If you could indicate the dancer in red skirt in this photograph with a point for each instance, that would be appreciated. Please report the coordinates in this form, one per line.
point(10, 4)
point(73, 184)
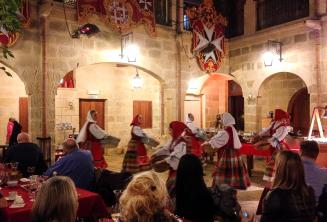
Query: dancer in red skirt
point(136, 159)
point(196, 143)
point(277, 131)
point(230, 168)
point(89, 138)
point(177, 147)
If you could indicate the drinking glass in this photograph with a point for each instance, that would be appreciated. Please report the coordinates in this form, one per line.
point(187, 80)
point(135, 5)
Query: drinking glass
point(14, 166)
point(30, 170)
point(32, 190)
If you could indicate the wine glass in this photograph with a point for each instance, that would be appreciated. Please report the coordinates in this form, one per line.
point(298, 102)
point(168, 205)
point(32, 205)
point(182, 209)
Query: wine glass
point(14, 166)
point(32, 190)
point(30, 170)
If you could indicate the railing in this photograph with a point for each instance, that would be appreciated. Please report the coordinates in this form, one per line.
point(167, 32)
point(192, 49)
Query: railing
point(275, 12)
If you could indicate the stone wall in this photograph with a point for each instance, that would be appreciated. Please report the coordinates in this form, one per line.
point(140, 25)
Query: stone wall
point(114, 85)
point(215, 90)
point(276, 92)
point(11, 88)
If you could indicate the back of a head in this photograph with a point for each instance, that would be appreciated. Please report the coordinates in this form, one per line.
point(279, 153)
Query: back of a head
point(69, 144)
point(56, 201)
point(23, 138)
point(144, 196)
point(309, 149)
point(189, 171)
point(191, 190)
point(289, 172)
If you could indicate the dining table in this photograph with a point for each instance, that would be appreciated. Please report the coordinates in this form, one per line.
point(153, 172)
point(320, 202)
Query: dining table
point(90, 205)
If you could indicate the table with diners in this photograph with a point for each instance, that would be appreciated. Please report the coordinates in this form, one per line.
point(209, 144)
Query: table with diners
point(90, 205)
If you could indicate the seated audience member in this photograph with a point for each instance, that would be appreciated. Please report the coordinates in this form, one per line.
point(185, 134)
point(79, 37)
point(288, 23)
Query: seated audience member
point(314, 175)
point(290, 198)
point(27, 154)
point(56, 201)
point(144, 199)
point(193, 199)
point(16, 129)
point(76, 164)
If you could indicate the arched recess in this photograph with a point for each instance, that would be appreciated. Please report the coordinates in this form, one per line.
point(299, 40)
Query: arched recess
point(13, 101)
point(210, 96)
point(277, 91)
point(299, 110)
point(110, 84)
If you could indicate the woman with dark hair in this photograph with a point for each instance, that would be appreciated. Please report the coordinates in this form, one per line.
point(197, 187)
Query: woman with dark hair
point(136, 158)
point(193, 199)
point(290, 198)
point(17, 129)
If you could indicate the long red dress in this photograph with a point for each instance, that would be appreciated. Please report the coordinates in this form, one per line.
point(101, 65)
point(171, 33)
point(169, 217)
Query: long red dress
point(93, 144)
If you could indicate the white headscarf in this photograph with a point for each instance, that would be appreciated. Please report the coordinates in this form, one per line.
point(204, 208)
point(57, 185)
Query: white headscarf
point(82, 133)
point(228, 120)
point(187, 119)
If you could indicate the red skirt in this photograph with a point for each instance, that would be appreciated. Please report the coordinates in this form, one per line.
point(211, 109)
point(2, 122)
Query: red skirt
point(196, 147)
point(97, 152)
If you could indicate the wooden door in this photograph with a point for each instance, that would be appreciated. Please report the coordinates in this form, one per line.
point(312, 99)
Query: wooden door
point(85, 105)
point(143, 108)
point(194, 106)
point(23, 113)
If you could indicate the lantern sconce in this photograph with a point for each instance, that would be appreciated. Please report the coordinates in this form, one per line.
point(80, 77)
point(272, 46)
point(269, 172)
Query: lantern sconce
point(273, 53)
point(128, 48)
point(137, 81)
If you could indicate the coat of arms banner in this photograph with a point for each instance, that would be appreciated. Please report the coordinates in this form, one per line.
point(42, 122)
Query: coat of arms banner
point(121, 15)
point(208, 35)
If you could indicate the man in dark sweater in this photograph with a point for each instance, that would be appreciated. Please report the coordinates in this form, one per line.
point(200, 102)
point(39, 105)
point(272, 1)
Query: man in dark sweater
point(28, 155)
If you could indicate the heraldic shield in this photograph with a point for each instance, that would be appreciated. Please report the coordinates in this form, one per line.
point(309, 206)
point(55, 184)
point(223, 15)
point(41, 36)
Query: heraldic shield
point(208, 35)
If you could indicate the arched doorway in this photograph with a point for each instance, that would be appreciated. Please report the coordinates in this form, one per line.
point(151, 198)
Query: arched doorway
point(107, 87)
point(276, 92)
point(299, 110)
point(236, 103)
point(13, 101)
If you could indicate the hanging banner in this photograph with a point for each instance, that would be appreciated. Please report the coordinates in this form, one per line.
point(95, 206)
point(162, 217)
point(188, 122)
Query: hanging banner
point(208, 35)
point(9, 39)
point(121, 15)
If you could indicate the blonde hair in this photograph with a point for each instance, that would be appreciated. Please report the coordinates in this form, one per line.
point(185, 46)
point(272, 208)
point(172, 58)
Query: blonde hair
point(56, 201)
point(144, 196)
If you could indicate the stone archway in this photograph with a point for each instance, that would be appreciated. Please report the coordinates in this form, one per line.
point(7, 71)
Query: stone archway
point(13, 101)
point(299, 110)
point(111, 82)
point(276, 91)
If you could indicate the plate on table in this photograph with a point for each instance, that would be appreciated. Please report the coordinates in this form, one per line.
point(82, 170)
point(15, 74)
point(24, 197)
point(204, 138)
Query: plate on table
point(14, 205)
point(10, 198)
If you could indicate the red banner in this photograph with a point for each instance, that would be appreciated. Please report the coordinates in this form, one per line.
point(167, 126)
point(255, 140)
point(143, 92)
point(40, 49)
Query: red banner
point(9, 39)
point(208, 35)
point(121, 15)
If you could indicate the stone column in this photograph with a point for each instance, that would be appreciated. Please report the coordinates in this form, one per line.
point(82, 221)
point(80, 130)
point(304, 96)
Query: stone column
point(250, 17)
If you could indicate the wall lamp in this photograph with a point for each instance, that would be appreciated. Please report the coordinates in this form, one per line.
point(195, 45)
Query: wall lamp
point(273, 53)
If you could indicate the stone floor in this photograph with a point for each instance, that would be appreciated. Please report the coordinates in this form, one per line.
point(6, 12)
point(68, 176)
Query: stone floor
point(248, 198)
